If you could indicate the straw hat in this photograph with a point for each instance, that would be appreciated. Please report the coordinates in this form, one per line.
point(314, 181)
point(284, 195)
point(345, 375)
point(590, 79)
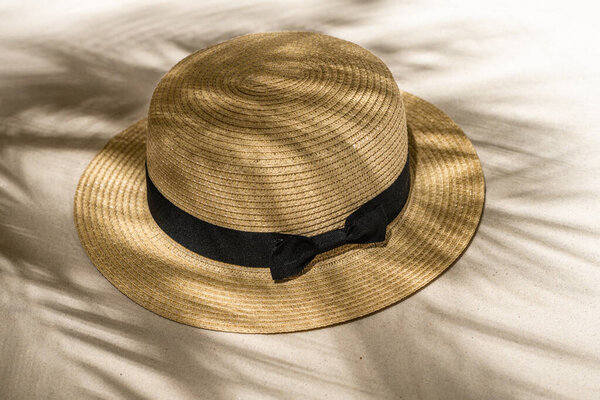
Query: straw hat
point(280, 182)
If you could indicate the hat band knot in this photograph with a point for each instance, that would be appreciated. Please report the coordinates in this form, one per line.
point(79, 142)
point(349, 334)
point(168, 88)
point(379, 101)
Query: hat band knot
point(293, 253)
point(286, 255)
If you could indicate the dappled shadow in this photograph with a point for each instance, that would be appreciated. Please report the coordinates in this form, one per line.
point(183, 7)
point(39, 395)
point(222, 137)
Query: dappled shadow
point(460, 337)
point(92, 81)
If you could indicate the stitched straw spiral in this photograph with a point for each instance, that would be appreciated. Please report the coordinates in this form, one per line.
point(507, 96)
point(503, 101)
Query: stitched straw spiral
point(282, 132)
point(286, 132)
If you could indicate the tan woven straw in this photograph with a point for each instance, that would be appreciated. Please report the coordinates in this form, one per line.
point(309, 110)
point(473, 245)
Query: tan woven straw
point(284, 132)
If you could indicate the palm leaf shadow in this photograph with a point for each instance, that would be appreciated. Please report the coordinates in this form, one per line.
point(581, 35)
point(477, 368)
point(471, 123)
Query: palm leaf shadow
point(96, 86)
point(100, 83)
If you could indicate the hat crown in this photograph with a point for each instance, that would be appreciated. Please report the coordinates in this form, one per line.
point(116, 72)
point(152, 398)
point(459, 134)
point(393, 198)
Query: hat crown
point(279, 132)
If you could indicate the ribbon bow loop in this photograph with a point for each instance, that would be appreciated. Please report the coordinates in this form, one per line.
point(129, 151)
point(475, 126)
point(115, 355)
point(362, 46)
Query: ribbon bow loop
point(292, 253)
point(366, 227)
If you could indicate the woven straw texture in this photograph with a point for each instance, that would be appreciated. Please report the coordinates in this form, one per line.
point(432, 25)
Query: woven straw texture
point(276, 132)
point(269, 159)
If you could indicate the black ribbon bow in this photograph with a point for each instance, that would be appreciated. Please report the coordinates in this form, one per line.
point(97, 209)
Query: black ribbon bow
point(292, 253)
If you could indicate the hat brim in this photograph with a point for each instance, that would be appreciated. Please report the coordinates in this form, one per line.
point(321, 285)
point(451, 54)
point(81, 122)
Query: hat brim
point(140, 260)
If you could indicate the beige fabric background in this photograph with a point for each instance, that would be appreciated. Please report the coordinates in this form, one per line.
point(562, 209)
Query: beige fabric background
point(516, 317)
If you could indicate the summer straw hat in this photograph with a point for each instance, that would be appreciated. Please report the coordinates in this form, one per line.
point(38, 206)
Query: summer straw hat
point(280, 182)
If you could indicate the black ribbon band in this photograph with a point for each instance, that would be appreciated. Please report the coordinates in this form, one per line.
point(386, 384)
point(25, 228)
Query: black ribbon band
point(286, 255)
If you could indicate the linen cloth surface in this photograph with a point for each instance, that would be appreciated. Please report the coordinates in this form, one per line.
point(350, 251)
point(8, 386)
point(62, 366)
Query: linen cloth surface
point(516, 317)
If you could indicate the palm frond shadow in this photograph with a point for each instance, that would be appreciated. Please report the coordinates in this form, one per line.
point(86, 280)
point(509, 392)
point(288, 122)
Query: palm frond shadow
point(96, 86)
point(101, 83)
